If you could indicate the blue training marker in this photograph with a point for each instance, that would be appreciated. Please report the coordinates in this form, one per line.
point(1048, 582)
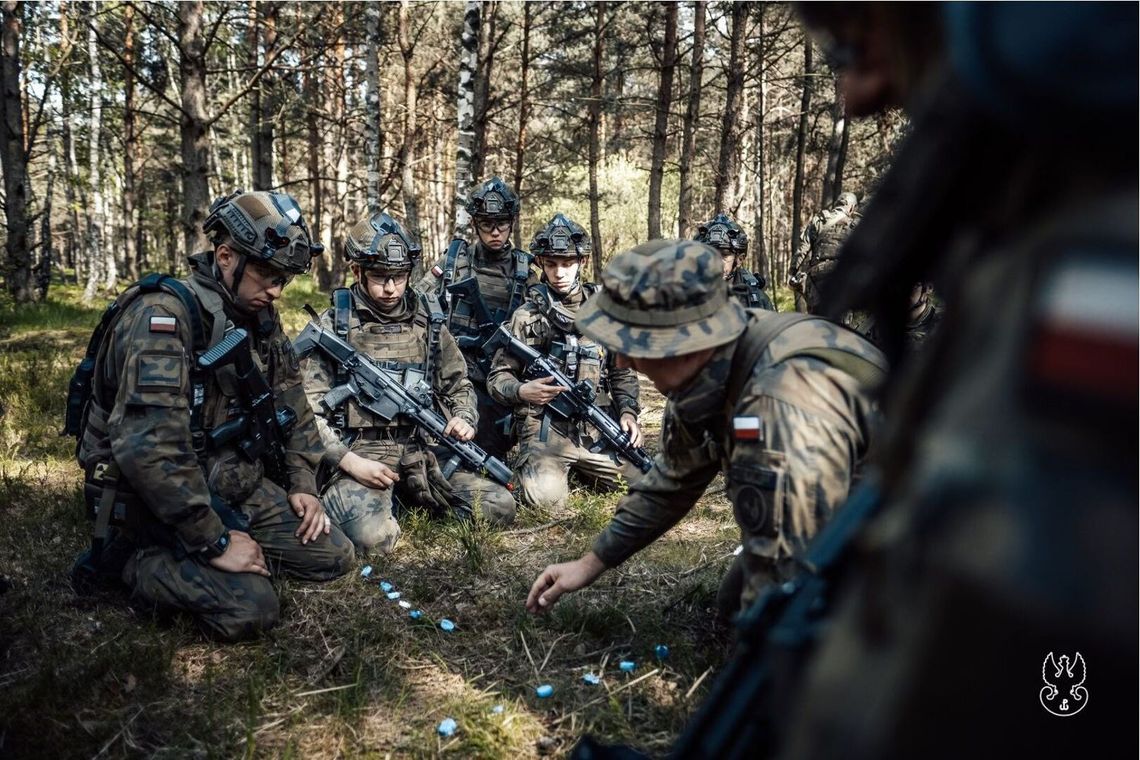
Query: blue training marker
point(385, 586)
point(447, 727)
point(447, 625)
point(366, 571)
point(627, 666)
point(393, 595)
point(661, 651)
point(415, 614)
point(591, 679)
point(544, 691)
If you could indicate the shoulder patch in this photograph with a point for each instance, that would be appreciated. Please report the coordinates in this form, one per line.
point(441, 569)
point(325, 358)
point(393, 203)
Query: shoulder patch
point(163, 324)
point(746, 429)
point(160, 370)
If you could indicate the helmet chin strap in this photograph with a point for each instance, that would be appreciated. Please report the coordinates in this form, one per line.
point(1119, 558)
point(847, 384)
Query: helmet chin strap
point(239, 272)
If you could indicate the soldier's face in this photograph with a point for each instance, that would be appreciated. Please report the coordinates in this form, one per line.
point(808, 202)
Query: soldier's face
point(561, 274)
point(494, 233)
point(260, 284)
point(729, 262)
point(670, 374)
point(386, 288)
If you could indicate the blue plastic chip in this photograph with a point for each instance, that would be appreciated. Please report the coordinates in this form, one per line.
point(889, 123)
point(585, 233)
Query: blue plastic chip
point(497, 710)
point(591, 679)
point(661, 651)
point(447, 625)
point(447, 727)
point(415, 614)
point(385, 586)
point(544, 691)
point(393, 595)
point(627, 666)
point(366, 571)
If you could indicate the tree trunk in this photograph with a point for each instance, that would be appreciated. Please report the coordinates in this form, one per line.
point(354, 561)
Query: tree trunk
point(464, 175)
point(524, 110)
point(725, 166)
point(595, 114)
point(835, 145)
point(14, 159)
point(334, 94)
point(192, 73)
point(692, 116)
point(841, 162)
point(262, 39)
point(98, 262)
point(372, 115)
point(484, 67)
point(661, 123)
point(130, 145)
point(316, 149)
point(71, 172)
point(759, 247)
point(407, 152)
point(46, 254)
point(801, 143)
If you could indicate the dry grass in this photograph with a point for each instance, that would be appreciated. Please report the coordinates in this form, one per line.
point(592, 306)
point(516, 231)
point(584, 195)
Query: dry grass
point(347, 673)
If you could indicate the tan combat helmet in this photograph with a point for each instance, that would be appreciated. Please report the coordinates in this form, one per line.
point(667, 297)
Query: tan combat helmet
point(662, 298)
point(267, 227)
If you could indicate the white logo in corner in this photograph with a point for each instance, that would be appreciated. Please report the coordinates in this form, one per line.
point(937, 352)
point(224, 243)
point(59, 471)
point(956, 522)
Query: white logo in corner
point(1063, 694)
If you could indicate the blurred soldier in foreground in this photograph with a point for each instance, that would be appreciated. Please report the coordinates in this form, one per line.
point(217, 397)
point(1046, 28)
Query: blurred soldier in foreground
point(819, 250)
point(730, 241)
point(778, 402)
point(551, 447)
point(1007, 537)
point(370, 457)
point(150, 438)
point(923, 317)
point(480, 286)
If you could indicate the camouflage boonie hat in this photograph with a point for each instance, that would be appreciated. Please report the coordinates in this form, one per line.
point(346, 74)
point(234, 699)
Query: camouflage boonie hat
point(660, 299)
point(380, 243)
point(265, 226)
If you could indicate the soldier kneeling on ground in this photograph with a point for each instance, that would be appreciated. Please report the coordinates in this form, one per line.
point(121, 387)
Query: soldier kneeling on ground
point(391, 324)
point(201, 526)
point(550, 446)
point(778, 402)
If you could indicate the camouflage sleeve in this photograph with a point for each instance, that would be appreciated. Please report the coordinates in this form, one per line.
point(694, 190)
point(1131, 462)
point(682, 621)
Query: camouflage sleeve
point(318, 378)
point(452, 382)
point(624, 388)
point(303, 450)
point(659, 499)
point(149, 423)
point(505, 377)
point(429, 283)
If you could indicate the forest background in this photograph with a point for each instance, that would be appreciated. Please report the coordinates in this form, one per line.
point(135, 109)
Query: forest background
point(122, 121)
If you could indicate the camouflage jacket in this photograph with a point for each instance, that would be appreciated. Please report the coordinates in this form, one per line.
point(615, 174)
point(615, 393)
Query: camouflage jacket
point(748, 289)
point(545, 323)
point(499, 285)
point(400, 339)
point(820, 242)
point(141, 417)
point(698, 438)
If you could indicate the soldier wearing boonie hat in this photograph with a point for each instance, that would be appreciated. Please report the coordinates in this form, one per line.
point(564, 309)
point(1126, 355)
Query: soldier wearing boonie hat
point(778, 402)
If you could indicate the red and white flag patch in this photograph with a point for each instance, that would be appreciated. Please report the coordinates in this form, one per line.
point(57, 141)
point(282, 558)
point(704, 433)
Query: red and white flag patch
point(746, 428)
point(163, 324)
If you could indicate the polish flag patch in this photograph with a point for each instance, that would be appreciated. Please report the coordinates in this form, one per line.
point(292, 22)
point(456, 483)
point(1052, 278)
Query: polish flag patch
point(746, 428)
point(163, 324)
point(437, 271)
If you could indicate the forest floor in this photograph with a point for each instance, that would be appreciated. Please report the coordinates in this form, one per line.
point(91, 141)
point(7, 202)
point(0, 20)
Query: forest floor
point(347, 673)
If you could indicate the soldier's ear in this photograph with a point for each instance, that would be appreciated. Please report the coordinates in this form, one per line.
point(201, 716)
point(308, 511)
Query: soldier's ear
point(225, 257)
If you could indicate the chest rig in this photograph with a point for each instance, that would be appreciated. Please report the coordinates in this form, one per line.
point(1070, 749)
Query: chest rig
point(407, 349)
point(501, 293)
point(746, 288)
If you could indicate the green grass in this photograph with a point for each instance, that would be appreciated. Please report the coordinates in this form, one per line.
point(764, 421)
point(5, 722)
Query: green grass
point(347, 672)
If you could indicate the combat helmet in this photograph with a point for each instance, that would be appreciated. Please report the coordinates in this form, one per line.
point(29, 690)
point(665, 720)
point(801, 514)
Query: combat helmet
point(381, 243)
point(494, 199)
point(267, 227)
point(662, 299)
point(561, 238)
point(723, 233)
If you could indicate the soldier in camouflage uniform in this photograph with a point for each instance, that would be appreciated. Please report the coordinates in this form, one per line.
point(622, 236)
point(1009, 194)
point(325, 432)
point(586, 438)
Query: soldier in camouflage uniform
point(138, 445)
point(819, 250)
point(551, 447)
point(922, 318)
point(777, 402)
point(383, 319)
point(503, 275)
point(729, 239)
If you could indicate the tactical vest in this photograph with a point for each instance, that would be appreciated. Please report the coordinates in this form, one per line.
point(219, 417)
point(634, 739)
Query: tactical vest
point(501, 294)
point(747, 289)
point(408, 349)
point(831, 228)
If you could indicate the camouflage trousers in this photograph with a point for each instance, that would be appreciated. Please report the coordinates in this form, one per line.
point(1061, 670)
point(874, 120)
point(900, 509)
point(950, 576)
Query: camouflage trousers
point(544, 469)
point(366, 516)
point(234, 606)
point(801, 474)
point(490, 433)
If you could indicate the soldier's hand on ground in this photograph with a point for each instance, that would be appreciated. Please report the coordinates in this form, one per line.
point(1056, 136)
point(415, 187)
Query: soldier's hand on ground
point(460, 429)
point(540, 391)
point(557, 580)
point(632, 428)
point(243, 555)
point(314, 521)
point(370, 473)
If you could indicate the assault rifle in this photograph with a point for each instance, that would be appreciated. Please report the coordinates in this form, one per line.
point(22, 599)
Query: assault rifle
point(577, 403)
point(262, 431)
point(386, 397)
point(488, 340)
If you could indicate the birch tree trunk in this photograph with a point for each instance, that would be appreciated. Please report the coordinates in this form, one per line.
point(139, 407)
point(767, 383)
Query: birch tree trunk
point(801, 143)
point(333, 94)
point(595, 114)
point(97, 261)
point(661, 123)
point(407, 152)
point(759, 239)
point(372, 113)
point(464, 175)
point(831, 175)
point(524, 110)
point(483, 96)
point(692, 117)
point(192, 73)
point(130, 146)
point(316, 146)
point(725, 171)
point(14, 159)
